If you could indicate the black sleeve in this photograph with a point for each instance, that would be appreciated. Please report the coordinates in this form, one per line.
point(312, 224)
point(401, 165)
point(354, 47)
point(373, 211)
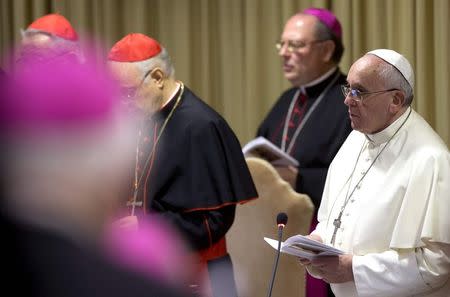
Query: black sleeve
point(202, 228)
point(312, 181)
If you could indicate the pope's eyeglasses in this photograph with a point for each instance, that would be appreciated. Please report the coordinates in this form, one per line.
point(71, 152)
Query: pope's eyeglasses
point(358, 95)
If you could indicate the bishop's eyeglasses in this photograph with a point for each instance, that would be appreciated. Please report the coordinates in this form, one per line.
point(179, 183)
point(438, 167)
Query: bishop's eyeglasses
point(358, 95)
point(294, 45)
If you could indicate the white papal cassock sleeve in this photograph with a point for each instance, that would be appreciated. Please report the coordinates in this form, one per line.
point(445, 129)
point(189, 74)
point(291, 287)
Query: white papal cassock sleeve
point(403, 272)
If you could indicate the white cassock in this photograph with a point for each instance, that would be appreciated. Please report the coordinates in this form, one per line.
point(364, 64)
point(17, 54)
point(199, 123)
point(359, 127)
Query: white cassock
point(396, 222)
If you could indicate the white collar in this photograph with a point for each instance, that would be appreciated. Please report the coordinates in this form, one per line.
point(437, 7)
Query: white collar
point(319, 79)
point(172, 95)
point(384, 135)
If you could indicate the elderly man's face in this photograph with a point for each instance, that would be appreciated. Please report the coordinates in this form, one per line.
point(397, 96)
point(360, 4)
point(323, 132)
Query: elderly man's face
point(373, 113)
point(137, 88)
point(304, 61)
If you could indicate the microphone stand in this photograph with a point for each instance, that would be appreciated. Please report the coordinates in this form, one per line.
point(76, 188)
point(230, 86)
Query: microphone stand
point(274, 271)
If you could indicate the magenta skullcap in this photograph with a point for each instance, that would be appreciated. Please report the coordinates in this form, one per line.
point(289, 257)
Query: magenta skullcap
point(327, 18)
point(58, 96)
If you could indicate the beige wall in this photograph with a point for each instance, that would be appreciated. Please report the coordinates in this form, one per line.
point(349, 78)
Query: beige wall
point(224, 49)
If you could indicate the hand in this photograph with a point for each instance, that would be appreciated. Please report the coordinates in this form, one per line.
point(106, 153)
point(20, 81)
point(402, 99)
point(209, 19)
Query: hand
point(315, 237)
point(128, 223)
point(334, 269)
point(304, 261)
point(288, 173)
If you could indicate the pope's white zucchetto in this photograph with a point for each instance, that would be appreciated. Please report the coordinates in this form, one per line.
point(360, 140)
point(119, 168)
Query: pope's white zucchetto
point(398, 61)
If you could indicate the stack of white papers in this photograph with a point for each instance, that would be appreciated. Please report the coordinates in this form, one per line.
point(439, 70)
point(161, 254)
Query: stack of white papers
point(304, 247)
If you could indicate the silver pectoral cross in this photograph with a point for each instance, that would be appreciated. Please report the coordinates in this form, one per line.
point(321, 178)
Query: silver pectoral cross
point(337, 224)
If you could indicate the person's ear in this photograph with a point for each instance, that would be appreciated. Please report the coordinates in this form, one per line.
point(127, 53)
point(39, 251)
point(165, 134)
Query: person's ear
point(398, 100)
point(157, 75)
point(328, 48)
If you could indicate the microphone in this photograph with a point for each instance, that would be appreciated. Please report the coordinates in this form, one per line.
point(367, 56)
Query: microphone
point(281, 222)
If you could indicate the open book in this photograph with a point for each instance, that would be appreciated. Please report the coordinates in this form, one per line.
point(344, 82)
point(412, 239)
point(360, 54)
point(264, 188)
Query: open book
point(304, 247)
point(263, 148)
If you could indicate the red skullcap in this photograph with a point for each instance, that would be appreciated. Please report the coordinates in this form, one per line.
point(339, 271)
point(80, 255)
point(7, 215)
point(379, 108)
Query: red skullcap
point(55, 24)
point(134, 47)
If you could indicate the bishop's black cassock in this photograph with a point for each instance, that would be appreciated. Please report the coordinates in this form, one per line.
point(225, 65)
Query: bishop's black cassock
point(321, 136)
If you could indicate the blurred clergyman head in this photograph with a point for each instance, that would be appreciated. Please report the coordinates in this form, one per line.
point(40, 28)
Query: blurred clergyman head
point(51, 36)
point(65, 145)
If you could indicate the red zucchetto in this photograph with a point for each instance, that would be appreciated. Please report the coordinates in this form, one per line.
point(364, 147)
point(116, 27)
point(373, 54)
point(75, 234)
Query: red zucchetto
point(134, 47)
point(55, 24)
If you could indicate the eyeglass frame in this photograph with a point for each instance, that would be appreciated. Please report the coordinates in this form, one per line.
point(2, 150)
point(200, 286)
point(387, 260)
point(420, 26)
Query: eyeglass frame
point(130, 93)
point(292, 47)
point(357, 95)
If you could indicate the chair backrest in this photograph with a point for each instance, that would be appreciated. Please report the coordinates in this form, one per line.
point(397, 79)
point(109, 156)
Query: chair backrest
point(252, 257)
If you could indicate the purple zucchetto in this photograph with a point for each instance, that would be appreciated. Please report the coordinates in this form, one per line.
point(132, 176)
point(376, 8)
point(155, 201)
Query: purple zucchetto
point(58, 95)
point(327, 18)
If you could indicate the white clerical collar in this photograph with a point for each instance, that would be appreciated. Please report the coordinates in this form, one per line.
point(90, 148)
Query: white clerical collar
point(318, 80)
point(384, 135)
point(172, 95)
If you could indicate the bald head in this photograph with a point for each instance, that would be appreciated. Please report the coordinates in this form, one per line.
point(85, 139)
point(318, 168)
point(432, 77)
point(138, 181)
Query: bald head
point(301, 19)
point(301, 26)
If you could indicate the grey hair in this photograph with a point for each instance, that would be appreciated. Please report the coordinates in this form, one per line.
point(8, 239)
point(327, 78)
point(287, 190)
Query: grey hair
point(162, 60)
point(324, 33)
point(395, 80)
point(59, 45)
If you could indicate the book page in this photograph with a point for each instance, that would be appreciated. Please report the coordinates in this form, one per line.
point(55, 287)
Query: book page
point(303, 250)
point(310, 244)
point(263, 148)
